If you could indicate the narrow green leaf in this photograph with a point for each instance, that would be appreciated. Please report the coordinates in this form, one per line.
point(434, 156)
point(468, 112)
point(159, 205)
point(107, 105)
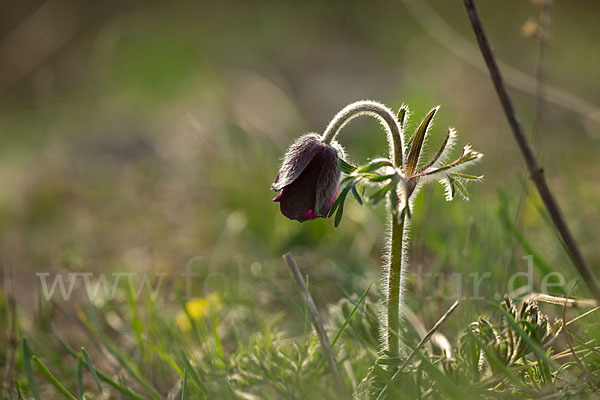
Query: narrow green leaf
point(192, 372)
point(539, 261)
point(356, 195)
point(163, 356)
point(380, 178)
point(380, 193)
point(79, 378)
point(68, 348)
point(122, 389)
point(338, 214)
point(467, 176)
point(417, 143)
point(452, 188)
point(401, 117)
point(52, 379)
point(347, 321)
point(346, 180)
point(345, 167)
point(122, 358)
point(340, 199)
point(459, 185)
point(437, 156)
point(468, 155)
point(28, 370)
point(349, 318)
point(184, 384)
point(216, 336)
point(18, 389)
point(375, 165)
point(92, 369)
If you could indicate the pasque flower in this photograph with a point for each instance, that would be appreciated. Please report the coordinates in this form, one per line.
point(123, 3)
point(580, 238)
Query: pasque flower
point(309, 178)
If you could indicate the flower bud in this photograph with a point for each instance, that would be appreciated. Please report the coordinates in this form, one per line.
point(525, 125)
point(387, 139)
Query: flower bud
point(308, 178)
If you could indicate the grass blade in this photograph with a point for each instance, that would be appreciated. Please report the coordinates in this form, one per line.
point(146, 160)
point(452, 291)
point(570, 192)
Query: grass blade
point(52, 379)
point(195, 377)
point(18, 390)
point(184, 384)
point(122, 389)
point(122, 358)
point(92, 369)
point(216, 336)
point(79, 378)
point(28, 370)
point(539, 261)
point(347, 321)
point(163, 356)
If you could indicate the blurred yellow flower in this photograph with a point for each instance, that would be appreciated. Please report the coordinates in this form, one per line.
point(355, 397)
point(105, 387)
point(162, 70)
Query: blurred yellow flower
point(197, 308)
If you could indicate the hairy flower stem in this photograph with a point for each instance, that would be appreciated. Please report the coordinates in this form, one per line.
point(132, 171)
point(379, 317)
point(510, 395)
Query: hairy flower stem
point(377, 110)
point(394, 296)
point(396, 247)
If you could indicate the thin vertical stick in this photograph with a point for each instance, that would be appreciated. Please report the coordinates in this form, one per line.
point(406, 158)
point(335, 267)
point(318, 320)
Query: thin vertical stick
point(535, 170)
point(316, 319)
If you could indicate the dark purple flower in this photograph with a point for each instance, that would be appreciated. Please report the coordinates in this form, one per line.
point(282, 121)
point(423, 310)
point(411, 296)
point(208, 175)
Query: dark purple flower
point(308, 179)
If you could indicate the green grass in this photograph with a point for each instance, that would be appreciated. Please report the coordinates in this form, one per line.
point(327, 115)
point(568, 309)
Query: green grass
point(167, 172)
point(254, 342)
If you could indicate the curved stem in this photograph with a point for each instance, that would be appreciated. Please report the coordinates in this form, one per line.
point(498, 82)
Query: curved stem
point(374, 109)
point(396, 248)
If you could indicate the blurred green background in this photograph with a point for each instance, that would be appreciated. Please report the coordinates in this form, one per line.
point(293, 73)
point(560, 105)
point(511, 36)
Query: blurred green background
point(144, 136)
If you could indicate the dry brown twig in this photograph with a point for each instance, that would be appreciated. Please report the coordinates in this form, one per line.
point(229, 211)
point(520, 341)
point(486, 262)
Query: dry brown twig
point(536, 172)
point(561, 301)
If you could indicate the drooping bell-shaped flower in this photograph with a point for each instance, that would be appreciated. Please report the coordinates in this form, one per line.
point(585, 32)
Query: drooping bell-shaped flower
point(308, 179)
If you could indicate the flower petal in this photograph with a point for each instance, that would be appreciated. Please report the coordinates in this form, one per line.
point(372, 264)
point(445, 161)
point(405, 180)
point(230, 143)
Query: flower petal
point(327, 182)
point(297, 199)
point(297, 158)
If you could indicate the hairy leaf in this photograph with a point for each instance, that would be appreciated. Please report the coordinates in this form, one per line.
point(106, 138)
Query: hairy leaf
point(416, 145)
